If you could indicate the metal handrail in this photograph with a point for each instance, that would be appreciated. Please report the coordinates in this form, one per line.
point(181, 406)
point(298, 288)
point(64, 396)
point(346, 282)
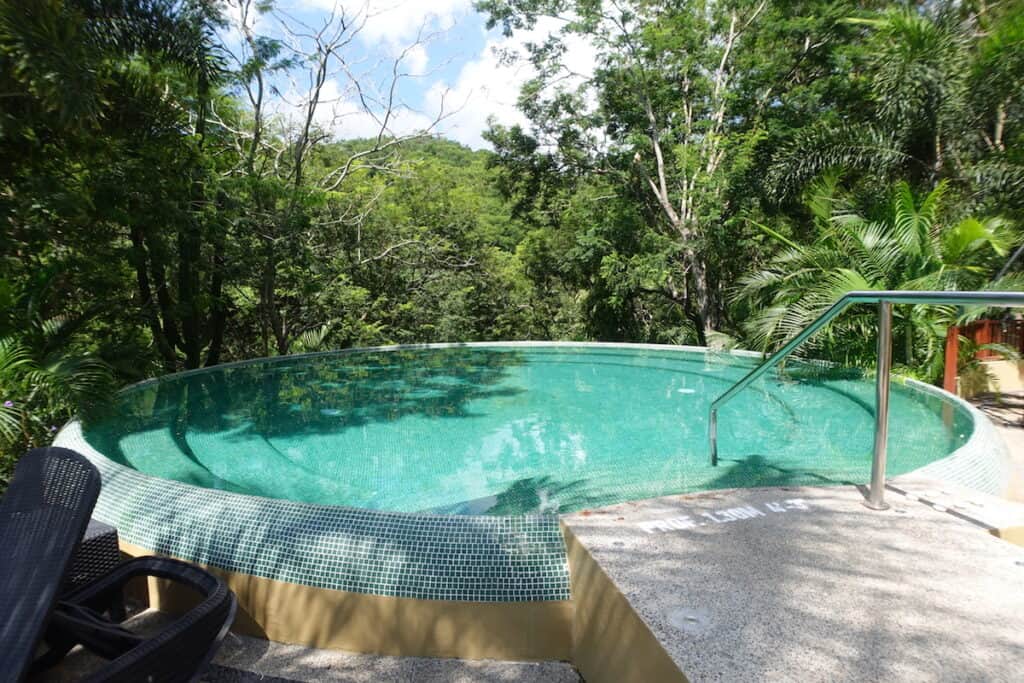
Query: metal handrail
point(884, 299)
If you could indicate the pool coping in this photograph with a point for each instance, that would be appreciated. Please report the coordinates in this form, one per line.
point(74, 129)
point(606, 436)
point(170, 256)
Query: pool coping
point(414, 555)
point(799, 583)
point(982, 464)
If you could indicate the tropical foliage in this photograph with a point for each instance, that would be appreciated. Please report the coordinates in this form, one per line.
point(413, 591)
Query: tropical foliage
point(726, 170)
point(907, 248)
point(46, 372)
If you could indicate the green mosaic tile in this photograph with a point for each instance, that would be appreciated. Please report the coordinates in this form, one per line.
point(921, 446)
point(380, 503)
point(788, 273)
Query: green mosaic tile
point(425, 556)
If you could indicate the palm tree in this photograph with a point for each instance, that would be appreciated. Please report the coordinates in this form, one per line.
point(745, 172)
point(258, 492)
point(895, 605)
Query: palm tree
point(909, 248)
point(941, 103)
point(61, 60)
point(46, 374)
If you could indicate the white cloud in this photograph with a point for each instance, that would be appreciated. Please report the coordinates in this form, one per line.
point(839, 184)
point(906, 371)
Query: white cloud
point(348, 120)
point(415, 60)
point(397, 21)
point(487, 87)
point(484, 86)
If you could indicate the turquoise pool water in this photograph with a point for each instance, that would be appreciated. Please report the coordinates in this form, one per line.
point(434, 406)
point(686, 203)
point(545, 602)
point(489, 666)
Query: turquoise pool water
point(510, 429)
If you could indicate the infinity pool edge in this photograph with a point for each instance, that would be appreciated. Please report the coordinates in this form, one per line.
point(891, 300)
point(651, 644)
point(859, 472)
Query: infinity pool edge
point(297, 563)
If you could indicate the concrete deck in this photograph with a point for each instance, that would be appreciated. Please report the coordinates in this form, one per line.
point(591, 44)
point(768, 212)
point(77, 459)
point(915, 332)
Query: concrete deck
point(250, 660)
point(245, 660)
point(807, 584)
point(1006, 411)
point(783, 584)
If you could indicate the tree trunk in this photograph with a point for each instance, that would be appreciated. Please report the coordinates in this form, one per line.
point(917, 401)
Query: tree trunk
point(190, 245)
point(268, 288)
point(703, 293)
point(188, 295)
point(705, 313)
point(163, 292)
point(218, 307)
point(140, 261)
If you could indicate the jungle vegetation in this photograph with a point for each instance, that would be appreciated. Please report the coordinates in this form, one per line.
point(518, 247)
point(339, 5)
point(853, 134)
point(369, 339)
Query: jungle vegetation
point(728, 169)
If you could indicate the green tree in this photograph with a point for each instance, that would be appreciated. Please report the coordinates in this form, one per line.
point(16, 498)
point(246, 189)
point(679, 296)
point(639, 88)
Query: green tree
point(679, 118)
point(913, 246)
point(101, 139)
point(939, 99)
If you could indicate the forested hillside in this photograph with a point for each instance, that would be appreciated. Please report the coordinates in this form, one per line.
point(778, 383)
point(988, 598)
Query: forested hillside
point(725, 172)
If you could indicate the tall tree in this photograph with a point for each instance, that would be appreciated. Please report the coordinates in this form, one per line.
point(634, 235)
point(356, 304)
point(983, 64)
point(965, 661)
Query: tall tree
point(278, 138)
point(681, 98)
point(105, 98)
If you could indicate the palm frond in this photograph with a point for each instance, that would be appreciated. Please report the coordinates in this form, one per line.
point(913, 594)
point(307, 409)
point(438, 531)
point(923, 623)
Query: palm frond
point(10, 422)
point(313, 339)
point(84, 379)
point(825, 147)
point(14, 358)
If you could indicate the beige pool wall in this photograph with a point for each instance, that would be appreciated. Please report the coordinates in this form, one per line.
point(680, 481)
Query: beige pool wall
point(597, 630)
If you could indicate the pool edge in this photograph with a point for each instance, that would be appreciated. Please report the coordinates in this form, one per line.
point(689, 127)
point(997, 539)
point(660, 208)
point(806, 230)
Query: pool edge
point(982, 463)
point(359, 622)
point(414, 624)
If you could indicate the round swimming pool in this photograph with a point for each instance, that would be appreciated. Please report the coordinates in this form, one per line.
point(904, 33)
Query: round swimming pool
point(406, 500)
point(511, 429)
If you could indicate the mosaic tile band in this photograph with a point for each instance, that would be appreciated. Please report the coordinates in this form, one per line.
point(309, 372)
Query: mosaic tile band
point(431, 557)
point(982, 464)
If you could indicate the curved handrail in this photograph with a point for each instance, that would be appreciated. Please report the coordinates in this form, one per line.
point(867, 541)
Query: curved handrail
point(1006, 299)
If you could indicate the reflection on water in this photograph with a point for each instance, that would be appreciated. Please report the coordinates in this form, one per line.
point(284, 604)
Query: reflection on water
point(504, 430)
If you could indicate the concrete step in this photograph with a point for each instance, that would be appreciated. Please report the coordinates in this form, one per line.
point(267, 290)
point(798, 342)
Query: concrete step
point(794, 584)
point(1002, 517)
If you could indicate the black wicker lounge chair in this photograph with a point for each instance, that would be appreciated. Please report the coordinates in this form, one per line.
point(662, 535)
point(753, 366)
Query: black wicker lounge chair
point(43, 514)
point(42, 517)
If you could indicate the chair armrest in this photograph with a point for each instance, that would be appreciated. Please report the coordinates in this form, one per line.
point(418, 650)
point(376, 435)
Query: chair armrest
point(177, 653)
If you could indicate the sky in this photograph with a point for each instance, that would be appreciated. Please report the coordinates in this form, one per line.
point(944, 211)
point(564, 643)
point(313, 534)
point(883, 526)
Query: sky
point(447, 57)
